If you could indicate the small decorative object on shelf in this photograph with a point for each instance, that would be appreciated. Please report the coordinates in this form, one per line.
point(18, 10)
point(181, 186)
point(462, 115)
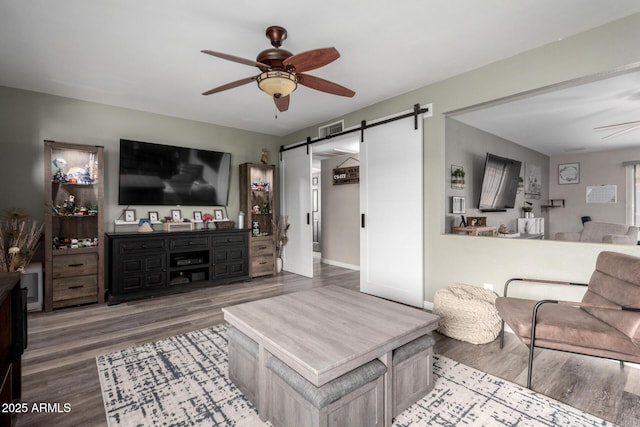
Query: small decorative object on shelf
point(527, 210)
point(19, 239)
point(206, 219)
point(144, 226)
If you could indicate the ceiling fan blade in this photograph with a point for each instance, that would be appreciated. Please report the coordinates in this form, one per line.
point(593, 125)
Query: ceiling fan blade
point(230, 85)
point(323, 85)
point(312, 59)
point(282, 102)
point(236, 59)
point(623, 131)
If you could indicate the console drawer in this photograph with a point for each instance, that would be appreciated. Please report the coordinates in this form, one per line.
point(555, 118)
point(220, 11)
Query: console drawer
point(142, 245)
point(190, 243)
point(75, 265)
point(225, 239)
point(75, 287)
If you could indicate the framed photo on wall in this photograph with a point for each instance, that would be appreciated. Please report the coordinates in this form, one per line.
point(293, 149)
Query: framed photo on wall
point(218, 214)
point(176, 215)
point(130, 215)
point(153, 216)
point(197, 215)
point(457, 205)
point(569, 173)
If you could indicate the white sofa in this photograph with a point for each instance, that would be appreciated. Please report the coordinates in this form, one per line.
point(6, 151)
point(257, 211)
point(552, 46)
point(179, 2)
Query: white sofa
point(602, 232)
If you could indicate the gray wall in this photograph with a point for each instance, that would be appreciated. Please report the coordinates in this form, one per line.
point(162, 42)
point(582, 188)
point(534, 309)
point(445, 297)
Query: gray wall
point(450, 258)
point(340, 216)
point(27, 118)
point(467, 146)
point(601, 168)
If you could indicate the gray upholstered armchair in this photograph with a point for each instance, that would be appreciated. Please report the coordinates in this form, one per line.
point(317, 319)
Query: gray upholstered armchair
point(602, 232)
point(605, 324)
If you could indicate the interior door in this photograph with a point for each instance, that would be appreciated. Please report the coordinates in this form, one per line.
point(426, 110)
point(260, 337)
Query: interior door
point(295, 171)
point(391, 234)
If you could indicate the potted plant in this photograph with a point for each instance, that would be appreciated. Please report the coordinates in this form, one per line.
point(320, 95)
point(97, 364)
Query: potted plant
point(527, 209)
point(457, 177)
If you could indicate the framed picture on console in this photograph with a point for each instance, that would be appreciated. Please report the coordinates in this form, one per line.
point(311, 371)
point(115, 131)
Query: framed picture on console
point(176, 215)
point(153, 216)
point(197, 215)
point(218, 214)
point(130, 215)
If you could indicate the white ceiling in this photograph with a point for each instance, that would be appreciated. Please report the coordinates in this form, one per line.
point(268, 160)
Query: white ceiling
point(563, 121)
point(145, 54)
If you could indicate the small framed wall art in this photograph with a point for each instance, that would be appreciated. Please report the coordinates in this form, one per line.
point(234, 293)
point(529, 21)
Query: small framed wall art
point(457, 205)
point(569, 173)
point(197, 215)
point(176, 215)
point(218, 214)
point(153, 216)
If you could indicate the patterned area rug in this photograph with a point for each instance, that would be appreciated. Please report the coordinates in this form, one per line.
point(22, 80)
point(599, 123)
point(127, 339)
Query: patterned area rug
point(182, 381)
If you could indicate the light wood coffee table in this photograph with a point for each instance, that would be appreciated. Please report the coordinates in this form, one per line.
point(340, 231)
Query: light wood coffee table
point(326, 332)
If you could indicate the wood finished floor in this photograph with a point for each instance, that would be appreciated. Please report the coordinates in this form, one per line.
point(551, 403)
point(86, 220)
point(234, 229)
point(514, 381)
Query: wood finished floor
point(59, 364)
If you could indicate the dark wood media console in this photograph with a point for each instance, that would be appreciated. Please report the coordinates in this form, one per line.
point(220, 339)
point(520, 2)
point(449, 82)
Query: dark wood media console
point(142, 265)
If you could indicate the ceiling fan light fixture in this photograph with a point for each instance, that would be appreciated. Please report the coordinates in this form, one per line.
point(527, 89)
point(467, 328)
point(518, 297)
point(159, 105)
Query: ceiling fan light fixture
point(278, 83)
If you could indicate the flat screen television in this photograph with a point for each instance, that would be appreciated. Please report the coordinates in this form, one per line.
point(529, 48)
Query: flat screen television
point(156, 174)
point(499, 184)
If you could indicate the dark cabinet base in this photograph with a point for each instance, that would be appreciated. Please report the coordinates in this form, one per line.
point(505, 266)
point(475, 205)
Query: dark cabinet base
point(160, 263)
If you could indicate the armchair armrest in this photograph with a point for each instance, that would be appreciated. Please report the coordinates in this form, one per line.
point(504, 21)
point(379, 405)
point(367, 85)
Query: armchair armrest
point(547, 282)
point(620, 239)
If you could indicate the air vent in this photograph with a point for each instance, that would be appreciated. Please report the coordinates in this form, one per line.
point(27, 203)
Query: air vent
point(331, 129)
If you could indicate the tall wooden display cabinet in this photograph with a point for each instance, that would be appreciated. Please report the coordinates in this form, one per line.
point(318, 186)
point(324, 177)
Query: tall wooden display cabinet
point(74, 237)
point(257, 201)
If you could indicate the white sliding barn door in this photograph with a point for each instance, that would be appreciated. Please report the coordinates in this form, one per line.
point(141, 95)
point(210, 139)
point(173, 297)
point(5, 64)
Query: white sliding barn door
point(391, 234)
point(295, 172)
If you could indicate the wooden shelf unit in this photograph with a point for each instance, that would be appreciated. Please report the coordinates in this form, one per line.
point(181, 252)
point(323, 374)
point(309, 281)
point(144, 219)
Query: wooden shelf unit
point(74, 273)
point(257, 201)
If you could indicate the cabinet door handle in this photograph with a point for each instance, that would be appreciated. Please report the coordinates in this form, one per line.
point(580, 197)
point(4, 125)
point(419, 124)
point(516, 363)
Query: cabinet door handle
point(75, 265)
point(76, 287)
point(263, 263)
point(262, 247)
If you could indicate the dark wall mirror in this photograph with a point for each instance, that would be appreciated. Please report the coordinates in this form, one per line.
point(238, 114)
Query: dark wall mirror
point(577, 143)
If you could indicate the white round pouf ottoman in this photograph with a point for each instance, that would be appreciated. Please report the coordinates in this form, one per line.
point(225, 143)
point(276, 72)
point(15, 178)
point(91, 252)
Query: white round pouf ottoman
point(467, 313)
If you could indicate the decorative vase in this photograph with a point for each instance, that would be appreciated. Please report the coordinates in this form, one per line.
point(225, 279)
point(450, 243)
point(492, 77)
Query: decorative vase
point(205, 225)
point(278, 265)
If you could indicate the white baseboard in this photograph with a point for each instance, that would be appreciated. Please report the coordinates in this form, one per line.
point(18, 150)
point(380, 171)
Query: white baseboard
point(428, 305)
point(340, 264)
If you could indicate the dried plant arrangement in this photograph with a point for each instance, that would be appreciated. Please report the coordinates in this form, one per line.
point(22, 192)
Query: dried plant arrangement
point(280, 228)
point(19, 239)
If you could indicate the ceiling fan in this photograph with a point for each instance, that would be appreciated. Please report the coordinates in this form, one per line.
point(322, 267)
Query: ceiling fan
point(281, 71)
point(622, 128)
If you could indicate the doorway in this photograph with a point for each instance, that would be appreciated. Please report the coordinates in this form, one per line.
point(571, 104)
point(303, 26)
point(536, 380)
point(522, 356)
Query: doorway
point(335, 208)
